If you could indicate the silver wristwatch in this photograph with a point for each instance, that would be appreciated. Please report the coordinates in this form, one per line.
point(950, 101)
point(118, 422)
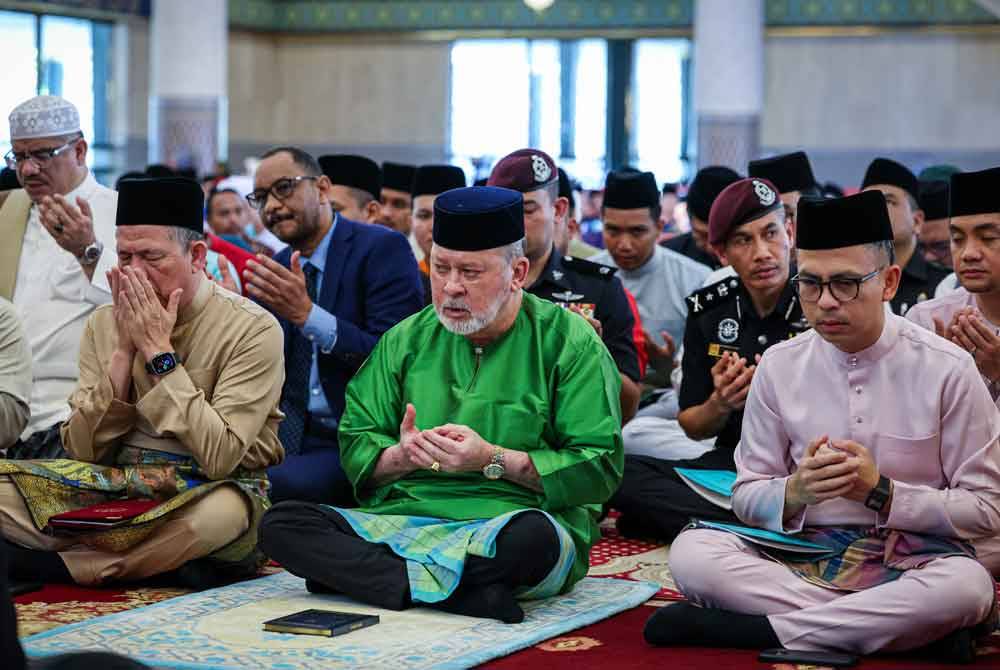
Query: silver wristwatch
point(495, 469)
point(92, 253)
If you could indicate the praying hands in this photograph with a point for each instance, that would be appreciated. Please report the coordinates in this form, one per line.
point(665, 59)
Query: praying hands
point(282, 289)
point(970, 331)
point(732, 376)
point(831, 469)
point(448, 448)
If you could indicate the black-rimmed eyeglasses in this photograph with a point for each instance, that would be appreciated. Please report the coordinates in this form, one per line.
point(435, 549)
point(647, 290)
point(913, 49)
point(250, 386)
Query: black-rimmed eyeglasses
point(40, 157)
point(282, 189)
point(843, 289)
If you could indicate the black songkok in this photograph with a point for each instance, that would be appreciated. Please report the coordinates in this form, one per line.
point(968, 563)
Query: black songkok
point(934, 199)
point(354, 171)
point(834, 223)
point(397, 176)
point(975, 193)
point(706, 186)
point(436, 179)
point(478, 217)
point(167, 201)
point(631, 189)
point(567, 185)
point(788, 172)
point(891, 173)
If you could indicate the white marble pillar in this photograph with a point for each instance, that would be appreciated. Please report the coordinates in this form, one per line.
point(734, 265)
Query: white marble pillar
point(728, 80)
point(188, 114)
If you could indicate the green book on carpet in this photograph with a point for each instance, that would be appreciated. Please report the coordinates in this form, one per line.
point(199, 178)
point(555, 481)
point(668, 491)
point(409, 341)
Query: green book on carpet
point(715, 486)
point(767, 538)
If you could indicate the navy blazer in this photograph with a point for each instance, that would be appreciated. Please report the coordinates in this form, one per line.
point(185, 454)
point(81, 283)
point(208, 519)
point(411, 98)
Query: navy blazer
point(371, 283)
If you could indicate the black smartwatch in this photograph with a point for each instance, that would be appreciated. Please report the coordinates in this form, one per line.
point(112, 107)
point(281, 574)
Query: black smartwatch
point(162, 364)
point(879, 495)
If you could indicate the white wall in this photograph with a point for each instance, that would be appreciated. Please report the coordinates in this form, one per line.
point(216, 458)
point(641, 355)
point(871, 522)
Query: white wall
point(387, 99)
point(922, 98)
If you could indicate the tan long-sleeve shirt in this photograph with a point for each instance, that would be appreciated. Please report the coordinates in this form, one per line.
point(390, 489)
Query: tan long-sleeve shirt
point(15, 376)
point(220, 405)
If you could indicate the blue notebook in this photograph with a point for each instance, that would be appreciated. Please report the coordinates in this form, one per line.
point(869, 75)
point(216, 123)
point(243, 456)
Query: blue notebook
point(768, 538)
point(715, 486)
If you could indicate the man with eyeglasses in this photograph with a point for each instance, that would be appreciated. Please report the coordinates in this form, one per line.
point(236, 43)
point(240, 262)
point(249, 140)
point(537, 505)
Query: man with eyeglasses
point(335, 290)
point(902, 192)
point(729, 325)
point(58, 233)
point(870, 436)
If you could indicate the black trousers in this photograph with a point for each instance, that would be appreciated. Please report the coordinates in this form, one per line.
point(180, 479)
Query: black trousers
point(316, 543)
point(655, 503)
point(45, 443)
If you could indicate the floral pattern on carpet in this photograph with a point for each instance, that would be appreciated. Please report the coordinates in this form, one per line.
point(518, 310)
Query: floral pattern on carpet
point(637, 560)
point(39, 616)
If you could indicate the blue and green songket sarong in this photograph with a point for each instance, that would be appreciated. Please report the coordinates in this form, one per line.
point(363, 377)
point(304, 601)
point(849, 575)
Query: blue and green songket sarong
point(436, 550)
point(547, 387)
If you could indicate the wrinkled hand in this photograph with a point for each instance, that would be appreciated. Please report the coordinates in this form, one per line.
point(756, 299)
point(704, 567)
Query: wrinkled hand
point(824, 474)
point(660, 353)
point(969, 331)
point(594, 323)
point(408, 433)
point(71, 226)
point(731, 377)
point(149, 323)
point(124, 339)
point(455, 447)
point(227, 280)
point(283, 289)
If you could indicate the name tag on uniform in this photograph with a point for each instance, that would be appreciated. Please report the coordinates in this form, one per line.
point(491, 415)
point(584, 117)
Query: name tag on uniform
point(715, 350)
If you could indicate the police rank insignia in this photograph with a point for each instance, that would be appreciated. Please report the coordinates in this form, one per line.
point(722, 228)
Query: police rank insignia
point(764, 193)
point(567, 296)
point(729, 330)
point(540, 168)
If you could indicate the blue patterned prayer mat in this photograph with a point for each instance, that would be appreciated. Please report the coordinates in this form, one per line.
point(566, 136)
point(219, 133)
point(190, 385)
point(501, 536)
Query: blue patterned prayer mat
point(222, 628)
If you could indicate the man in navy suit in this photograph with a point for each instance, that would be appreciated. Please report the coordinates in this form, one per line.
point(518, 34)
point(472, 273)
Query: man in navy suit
point(337, 287)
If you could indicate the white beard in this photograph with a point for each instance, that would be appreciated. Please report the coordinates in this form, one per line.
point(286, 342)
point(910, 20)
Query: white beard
point(476, 322)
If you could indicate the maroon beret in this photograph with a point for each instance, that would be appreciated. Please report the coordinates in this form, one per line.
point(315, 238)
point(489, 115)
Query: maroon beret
point(525, 170)
point(740, 202)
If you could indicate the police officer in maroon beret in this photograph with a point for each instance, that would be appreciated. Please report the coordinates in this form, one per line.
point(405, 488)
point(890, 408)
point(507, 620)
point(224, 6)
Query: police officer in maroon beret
point(587, 288)
point(729, 325)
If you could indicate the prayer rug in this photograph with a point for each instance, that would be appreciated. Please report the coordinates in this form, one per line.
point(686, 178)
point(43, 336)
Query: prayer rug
point(222, 628)
point(57, 605)
point(624, 558)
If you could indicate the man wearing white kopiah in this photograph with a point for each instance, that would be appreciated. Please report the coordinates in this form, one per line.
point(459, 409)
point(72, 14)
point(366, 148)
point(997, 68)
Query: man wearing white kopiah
point(58, 244)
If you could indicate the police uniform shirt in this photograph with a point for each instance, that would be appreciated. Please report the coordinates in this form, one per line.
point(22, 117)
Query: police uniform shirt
point(595, 289)
point(721, 318)
point(918, 282)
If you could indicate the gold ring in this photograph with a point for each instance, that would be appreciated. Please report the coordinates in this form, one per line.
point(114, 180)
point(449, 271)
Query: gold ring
point(435, 466)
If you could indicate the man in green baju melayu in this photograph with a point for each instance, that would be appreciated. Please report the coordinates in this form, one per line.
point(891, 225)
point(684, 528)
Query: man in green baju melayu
point(481, 437)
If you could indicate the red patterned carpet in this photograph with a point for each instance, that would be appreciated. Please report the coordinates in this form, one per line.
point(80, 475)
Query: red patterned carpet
point(614, 643)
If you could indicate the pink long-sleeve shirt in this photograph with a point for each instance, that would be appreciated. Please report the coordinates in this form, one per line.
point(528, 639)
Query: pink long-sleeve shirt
point(943, 309)
point(913, 399)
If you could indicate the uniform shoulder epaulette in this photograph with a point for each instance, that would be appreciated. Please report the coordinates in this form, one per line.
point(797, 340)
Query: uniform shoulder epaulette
point(585, 267)
point(713, 295)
